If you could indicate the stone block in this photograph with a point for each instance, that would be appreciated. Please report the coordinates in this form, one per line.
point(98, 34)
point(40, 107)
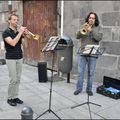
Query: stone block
point(102, 6)
point(107, 61)
point(116, 5)
point(3, 26)
point(3, 6)
point(111, 47)
point(111, 19)
point(68, 16)
point(76, 12)
point(107, 34)
point(101, 72)
point(116, 33)
point(107, 65)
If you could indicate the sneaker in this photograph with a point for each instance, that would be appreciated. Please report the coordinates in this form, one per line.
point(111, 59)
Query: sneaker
point(17, 100)
point(77, 92)
point(90, 93)
point(11, 102)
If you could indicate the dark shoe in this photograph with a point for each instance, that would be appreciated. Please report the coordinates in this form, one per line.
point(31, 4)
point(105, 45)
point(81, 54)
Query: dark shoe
point(11, 102)
point(90, 93)
point(17, 100)
point(77, 92)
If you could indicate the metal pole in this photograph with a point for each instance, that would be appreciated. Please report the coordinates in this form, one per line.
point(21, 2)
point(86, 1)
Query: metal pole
point(62, 16)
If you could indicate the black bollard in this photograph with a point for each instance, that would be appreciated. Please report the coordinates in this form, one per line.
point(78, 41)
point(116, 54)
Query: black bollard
point(27, 113)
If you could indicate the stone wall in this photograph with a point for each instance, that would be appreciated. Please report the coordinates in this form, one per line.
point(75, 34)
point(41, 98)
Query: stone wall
point(109, 14)
point(74, 14)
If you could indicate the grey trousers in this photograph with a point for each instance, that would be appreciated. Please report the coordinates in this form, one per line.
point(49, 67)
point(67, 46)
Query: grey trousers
point(15, 70)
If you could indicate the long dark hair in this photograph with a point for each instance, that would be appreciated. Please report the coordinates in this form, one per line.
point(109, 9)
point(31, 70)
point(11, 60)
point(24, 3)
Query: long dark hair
point(96, 18)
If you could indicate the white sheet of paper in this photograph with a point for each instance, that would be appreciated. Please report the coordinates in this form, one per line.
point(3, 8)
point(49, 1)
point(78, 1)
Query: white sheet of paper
point(89, 47)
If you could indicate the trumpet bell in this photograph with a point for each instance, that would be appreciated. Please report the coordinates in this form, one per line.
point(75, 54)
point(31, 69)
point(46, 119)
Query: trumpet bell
point(35, 37)
point(83, 30)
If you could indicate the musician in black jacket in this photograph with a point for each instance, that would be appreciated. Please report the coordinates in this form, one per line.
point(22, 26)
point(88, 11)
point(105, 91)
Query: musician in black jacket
point(13, 39)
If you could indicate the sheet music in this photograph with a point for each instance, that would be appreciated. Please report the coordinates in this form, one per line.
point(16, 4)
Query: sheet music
point(51, 44)
point(88, 48)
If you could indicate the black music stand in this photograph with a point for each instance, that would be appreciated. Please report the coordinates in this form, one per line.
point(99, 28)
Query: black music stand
point(51, 46)
point(90, 50)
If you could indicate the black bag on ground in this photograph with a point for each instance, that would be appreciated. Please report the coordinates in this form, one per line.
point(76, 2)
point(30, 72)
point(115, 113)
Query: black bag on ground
point(42, 71)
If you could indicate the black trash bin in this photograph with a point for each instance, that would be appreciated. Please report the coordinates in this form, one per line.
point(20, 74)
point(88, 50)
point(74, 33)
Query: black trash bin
point(65, 54)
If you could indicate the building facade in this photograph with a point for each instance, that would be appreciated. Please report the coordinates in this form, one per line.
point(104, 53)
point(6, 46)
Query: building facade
point(45, 21)
point(109, 14)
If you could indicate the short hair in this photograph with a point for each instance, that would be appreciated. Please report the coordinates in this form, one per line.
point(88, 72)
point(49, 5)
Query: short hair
point(96, 18)
point(10, 16)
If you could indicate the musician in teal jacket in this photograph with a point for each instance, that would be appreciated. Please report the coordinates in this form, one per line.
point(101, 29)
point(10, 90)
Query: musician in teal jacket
point(89, 34)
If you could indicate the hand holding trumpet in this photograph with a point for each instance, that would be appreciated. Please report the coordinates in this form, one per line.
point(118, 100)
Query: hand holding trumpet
point(85, 29)
point(89, 29)
point(22, 30)
point(26, 32)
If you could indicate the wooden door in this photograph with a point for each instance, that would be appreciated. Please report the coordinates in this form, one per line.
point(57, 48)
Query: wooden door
point(40, 17)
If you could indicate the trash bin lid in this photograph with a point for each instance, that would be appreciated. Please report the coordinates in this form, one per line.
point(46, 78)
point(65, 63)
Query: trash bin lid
point(66, 40)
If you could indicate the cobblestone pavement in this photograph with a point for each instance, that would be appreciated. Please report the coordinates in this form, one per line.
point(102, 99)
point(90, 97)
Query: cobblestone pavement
point(36, 95)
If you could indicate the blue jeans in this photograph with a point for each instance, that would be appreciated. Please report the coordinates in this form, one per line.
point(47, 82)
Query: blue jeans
point(82, 62)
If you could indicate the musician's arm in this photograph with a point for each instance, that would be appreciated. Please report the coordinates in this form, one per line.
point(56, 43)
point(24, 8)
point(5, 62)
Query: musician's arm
point(14, 41)
point(97, 33)
point(24, 42)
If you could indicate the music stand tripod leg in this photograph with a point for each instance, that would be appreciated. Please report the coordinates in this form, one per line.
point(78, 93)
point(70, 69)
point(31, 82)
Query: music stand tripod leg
point(56, 115)
point(50, 98)
point(95, 104)
point(89, 111)
point(79, 105)
point(42, 114)
point(49, 110)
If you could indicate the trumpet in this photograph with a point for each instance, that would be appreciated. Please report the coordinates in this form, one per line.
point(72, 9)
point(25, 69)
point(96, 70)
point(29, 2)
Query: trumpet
point(83, 29)
point(34, 36)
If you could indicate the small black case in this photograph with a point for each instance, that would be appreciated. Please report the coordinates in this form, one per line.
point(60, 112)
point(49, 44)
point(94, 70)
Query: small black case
point(109, 82)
